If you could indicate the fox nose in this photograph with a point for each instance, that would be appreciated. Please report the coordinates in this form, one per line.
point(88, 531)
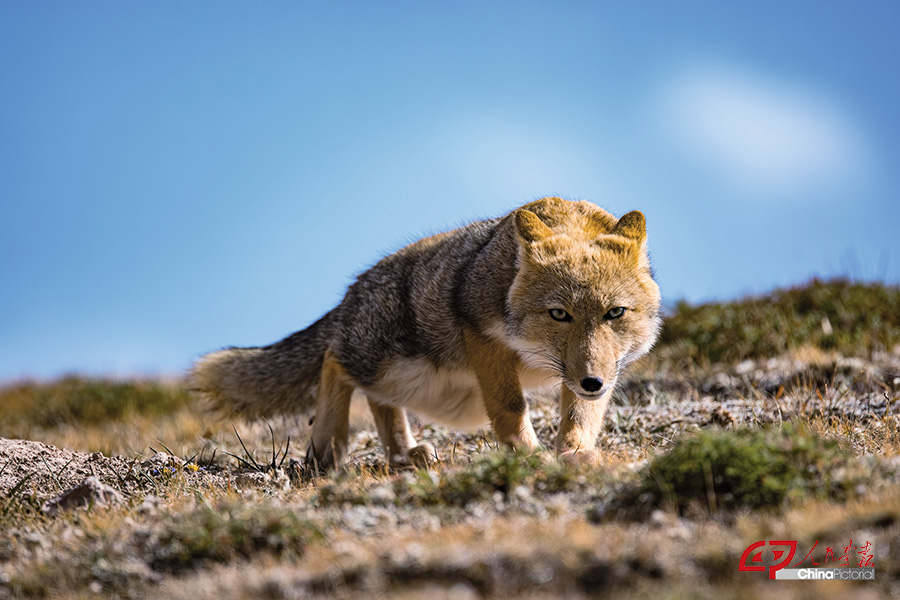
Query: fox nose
point(591, 384)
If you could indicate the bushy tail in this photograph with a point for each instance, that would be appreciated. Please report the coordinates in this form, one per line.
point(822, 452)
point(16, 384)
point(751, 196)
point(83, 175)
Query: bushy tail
point(268, 380)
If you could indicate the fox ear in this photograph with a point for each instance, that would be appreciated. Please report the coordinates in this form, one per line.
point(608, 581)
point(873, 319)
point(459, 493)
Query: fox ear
point(530, 226)
point(632, 225)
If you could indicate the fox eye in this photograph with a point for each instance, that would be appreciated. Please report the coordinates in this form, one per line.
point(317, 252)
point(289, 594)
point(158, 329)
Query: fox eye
point(559, 314)
point(614, 313)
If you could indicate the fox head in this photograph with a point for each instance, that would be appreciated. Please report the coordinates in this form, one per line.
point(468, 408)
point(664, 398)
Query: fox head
point(583, 303)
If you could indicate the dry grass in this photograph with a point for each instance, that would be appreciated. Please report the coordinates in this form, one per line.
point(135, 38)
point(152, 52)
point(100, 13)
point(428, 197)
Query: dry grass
point(796, 440)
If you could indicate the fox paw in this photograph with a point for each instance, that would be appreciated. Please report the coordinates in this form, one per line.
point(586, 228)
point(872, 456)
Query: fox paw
point(579, 458)
point(331, 458)
point(423, 456)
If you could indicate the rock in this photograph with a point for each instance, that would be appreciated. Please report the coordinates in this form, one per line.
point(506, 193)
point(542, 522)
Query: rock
point(149, 506)
point(722, 417)
point(161, 459)
point(252, 479)
point(91, 492)
point(744, 367)
point(383, 495)
point(280, 480)
point(660, 519)
point(522, 493)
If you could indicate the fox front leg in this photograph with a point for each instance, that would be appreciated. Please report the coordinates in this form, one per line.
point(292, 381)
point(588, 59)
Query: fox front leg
point(330, 434)
point(397, 439)
point(497, 369)
point(579, 427)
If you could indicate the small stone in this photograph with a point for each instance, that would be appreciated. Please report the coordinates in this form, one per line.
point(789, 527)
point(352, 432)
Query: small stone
point(462, 591)
point(744, 367)
point(91, 492)
point(149, 506)
point(253, 479)
point(558, 504)
point(522, 492)
point(722, 417)
point(34, 540)
point(161, 459)
point(280, 481)
point(659, 518)
point(383, 494)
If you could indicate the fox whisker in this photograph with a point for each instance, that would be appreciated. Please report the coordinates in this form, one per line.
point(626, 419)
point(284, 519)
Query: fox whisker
point(545, 360)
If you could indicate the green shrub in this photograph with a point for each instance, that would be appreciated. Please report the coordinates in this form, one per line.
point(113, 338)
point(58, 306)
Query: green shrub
point(852, 318)
point(727, 470)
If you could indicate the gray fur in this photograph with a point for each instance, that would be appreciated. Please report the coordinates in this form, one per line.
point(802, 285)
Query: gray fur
point(411, 304)
point(262, 381)
point(415, 303)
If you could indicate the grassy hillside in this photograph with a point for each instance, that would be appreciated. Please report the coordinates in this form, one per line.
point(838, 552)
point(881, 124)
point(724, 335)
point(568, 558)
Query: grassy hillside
point(769, 417)
point(854, 319)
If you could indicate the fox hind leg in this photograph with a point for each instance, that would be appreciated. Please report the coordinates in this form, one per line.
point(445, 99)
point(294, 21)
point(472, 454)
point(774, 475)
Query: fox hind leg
point(330, 434)
point(397, 438)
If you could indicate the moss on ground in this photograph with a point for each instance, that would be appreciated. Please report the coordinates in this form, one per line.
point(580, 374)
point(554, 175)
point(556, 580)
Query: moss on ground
point(227, 531)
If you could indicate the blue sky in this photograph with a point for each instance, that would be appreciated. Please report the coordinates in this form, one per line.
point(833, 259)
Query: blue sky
point(181, 176)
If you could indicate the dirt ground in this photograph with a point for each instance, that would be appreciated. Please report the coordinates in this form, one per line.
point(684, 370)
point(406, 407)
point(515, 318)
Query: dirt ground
point(170, 527)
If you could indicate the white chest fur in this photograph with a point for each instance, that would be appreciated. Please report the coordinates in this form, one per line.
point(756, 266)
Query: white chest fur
point(447, 395)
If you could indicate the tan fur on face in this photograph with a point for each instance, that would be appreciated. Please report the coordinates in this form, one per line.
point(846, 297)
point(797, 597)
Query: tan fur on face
point(587, 264)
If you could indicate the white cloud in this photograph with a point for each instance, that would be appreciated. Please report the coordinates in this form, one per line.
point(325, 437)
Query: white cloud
point(763, 134)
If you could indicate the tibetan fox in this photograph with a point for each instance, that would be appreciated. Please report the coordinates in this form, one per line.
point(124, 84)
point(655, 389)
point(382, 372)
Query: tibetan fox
point(456, 326)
